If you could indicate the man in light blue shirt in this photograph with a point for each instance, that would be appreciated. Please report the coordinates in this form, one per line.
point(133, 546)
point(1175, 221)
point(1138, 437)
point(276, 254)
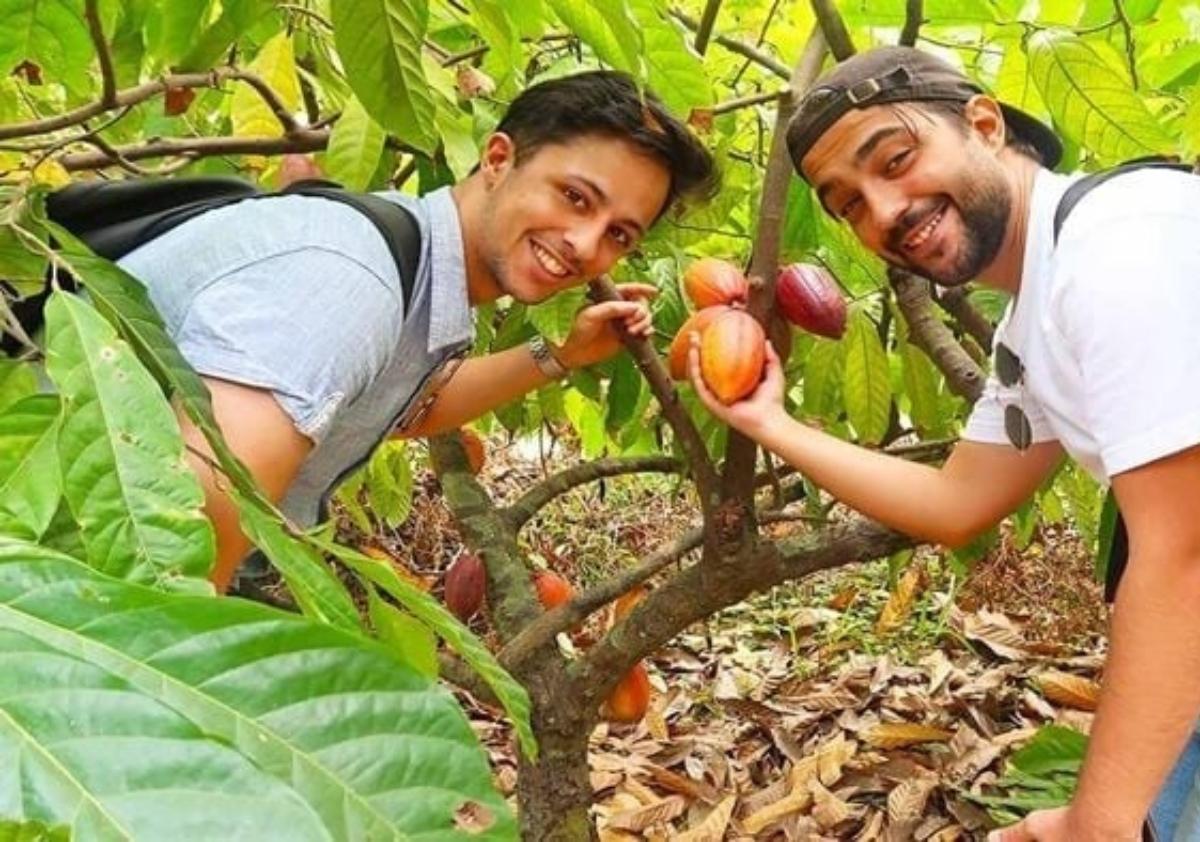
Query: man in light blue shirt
point(291, 307)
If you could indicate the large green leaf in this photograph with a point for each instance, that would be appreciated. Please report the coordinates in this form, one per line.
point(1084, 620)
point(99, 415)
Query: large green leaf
point(823, 372)
point(237, 16)
point(128, 713)
point(172, 27)
point(624, 393)
point(1092, 103)
point(676, 73)
point(355, 146)
point(30, 482)
point(389, 482)
point(586, 20)
point(379, 42)
point(135, 497)
point(865, 384)
point(921, 388)
point(50, 33)
point(554, 317)
point(17, 381)
point(435, 616)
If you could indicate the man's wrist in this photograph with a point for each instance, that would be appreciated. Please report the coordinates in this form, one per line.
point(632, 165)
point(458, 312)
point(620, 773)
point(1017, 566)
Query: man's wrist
point(546, 360)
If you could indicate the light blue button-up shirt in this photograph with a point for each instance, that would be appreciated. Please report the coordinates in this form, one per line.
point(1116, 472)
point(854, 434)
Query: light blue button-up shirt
point(300, 296)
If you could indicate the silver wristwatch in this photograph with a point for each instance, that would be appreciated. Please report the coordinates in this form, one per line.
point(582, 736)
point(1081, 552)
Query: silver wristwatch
point(546, 362)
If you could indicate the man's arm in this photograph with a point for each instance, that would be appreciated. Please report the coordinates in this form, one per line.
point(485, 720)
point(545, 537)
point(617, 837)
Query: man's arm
point(482, 384)
point(262, 435)
point(979, 484)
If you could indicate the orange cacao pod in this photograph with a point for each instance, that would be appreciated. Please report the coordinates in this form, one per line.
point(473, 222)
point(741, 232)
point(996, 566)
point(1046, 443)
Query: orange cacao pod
point(630, 698)
point(710, 281)
point(696, 323)
point(626, 602)
point(465, 581)
point(809, 298)
point(552, 590)
point(732, 355)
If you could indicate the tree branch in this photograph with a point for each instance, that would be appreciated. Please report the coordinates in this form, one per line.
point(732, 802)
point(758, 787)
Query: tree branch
point(747, 101)
point(928, 333)
point(519, 513)
point(108, 78)
point(652, 368)
point(147, 90)
point(738, 480)
point(913, 18)
point(707, 18)
point(305, 140)
point(454, 670)
point(735, 46)
point(955, 302)
point(834, 28)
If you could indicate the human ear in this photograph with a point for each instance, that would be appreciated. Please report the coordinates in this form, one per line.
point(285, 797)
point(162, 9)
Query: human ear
point(986, 120)
point(499, 156)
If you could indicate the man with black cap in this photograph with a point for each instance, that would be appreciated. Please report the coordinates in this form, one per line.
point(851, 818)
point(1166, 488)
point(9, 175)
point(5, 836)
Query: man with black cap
point(1095, 358)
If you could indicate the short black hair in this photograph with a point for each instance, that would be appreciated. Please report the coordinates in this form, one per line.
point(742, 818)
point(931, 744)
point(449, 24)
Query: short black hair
point(610, 103)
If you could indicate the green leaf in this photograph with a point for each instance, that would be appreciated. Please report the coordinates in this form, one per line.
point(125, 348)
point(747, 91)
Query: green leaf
point(389, 482)
point(433, 614)
point(675, 72)
point(237, 16)
point(624, 393)
point(921, 388)
point(868, 393)
point(275, 64)
point(135, 497)
point(1092, 103)
point(347, 496)
point(594, 27)
point(317, 590)
point(53, 35)
point(1053, 749)
point(355, 147)
point(554, 317)
point(1106, 534)
point(30, 481)
point(411, 640)
point(379, 42)
point(11, 831)
point(17, 381)
point(172, 27)
point(499, 32)
point(255, 721)
point(824, 369)
point(588, 421)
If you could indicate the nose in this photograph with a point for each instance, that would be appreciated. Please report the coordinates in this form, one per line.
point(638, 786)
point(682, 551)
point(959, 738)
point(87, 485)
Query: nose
point(886, 206)
point(584, 239)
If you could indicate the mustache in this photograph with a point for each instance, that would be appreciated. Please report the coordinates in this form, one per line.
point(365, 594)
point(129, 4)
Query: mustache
point(909, 221)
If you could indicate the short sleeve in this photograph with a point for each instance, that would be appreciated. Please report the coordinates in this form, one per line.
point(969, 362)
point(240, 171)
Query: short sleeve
point(313, 326)
point(986, 422)
point(1128, 298)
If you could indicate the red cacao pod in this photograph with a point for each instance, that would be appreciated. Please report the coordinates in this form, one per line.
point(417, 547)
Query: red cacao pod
point(809, 298)
point(732, 355)
point(476, 452)
point(696, 323)
point(552, 590)
point(630, 698)
point(465, 582)
point(710, 281)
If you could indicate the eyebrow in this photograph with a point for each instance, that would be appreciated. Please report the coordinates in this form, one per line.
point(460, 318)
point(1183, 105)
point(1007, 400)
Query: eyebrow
point(861, 154)
point(602, 198)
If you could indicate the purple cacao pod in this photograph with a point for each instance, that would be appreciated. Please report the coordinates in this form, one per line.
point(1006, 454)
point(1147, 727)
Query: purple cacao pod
point(809, 298)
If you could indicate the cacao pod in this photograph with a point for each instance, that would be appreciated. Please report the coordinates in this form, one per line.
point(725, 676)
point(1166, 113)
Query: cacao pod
point(476, 453)
point(630, 698)
point(465, 582)
point(176, 100)
point(710, 281)
point(809, 298)
point(677, 359)
point(732, 356)
point(552, 590)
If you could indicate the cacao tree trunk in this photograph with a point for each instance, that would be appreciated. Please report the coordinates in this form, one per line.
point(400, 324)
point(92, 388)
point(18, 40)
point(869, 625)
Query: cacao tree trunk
point(554, 794)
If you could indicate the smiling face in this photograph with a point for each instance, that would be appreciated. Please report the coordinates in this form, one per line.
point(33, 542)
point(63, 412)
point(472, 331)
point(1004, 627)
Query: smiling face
point(566, 213)
point(922, 192)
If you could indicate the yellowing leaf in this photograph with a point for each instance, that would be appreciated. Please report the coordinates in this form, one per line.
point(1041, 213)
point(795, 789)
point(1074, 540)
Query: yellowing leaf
point(275, 64)
point(712, 829)
point(900, 603)
point(51, 173)
point(888, 735)
point(1071, 690)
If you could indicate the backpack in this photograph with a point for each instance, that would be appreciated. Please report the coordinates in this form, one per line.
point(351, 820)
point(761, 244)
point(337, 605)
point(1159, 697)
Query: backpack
point(115, 217)
point(1113, 554)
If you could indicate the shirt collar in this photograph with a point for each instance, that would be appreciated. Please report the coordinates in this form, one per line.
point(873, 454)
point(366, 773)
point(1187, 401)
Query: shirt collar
point(450, 319)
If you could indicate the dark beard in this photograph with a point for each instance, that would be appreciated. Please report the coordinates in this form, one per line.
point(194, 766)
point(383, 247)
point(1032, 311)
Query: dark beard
point(984, 208)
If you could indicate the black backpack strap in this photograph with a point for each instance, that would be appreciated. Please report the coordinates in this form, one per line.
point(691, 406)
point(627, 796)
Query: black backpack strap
point(395, 224)
point(1114, 546)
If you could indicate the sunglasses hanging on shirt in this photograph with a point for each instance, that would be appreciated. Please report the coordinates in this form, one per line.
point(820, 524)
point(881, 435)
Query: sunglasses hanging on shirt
point(1011, 372)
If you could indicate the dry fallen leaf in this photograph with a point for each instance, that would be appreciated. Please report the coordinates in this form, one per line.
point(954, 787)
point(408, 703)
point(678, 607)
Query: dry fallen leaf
point(906, 801)
point(1070, 690)
point(797, 801)
point(887, 735)
point(900, 603)
point(997, 632)
point(712, 829)
point(651, 814)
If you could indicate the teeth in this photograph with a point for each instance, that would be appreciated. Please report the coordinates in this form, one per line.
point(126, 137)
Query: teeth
point(549, 263)
point(925, 230)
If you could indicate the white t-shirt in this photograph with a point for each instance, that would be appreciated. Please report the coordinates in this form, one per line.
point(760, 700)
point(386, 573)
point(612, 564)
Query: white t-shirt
point(1107, 324)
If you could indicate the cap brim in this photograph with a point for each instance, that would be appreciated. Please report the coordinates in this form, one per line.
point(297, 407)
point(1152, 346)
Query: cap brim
point(1035, 132)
